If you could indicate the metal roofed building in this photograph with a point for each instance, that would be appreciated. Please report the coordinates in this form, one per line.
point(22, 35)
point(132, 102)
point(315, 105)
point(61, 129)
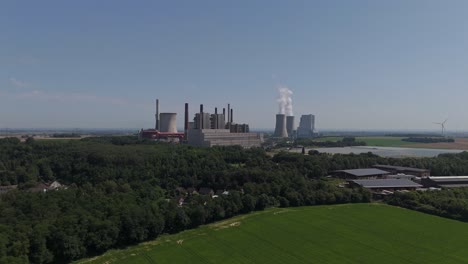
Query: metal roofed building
point(370, 173)
point(386, 184)
point(445, 181)
point(405, 170)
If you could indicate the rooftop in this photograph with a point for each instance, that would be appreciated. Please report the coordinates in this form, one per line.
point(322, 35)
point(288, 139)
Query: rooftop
point(364, 172)
point(387, 183)
point(449, 178)
point(399, 168)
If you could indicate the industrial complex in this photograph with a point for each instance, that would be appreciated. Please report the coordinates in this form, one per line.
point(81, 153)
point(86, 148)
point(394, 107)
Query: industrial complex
point(219, 129)
point(206, 130)
point(284, 127)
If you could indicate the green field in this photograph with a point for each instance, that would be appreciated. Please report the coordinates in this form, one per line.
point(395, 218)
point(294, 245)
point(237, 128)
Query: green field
point(359, 233)
point(384, 141)
point(373, 141)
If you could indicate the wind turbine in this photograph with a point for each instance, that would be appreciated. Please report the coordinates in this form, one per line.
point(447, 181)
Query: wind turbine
point(442, 126)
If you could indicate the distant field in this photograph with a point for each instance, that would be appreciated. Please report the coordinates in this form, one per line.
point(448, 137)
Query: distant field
point(359, 233)
point(384, 141)
point(460, 143)
point(374, 141)
point(325, 139)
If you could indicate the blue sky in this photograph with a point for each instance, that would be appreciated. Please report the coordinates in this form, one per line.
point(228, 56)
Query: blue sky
point(354, 64)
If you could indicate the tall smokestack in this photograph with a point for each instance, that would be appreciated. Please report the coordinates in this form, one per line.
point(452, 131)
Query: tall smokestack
point(280, 128)
point(224, 114)
point(157, 115)
point(232, 113)
point(186, 121)
point(229, 111)
point(216, 110)
point(290, 125)
point(201, 116)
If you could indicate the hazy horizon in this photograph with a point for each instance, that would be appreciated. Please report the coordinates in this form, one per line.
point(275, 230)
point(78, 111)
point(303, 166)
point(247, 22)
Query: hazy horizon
point(355, 65)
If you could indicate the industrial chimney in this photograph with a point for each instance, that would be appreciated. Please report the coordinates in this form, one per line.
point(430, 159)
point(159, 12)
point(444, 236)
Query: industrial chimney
point(157, 115)
point(168, 122)
point(290, 125)
point(228, 112)
point(201, 117)
point(280, 129)
point(186, 121)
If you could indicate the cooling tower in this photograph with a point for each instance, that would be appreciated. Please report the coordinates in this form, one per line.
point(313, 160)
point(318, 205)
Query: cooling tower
point(290, 125)
point(167, 122)
point(280, 129)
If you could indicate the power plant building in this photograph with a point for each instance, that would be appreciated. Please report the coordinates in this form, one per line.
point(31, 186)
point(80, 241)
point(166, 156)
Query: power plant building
point(215, 131)
point(206, 130)
point(280, 128)
point(306, 126)
point(223, 137)
point(167, 122)
point(165, 127)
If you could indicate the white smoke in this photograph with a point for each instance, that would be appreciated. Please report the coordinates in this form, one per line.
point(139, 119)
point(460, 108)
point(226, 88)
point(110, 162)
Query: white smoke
point(285, 101)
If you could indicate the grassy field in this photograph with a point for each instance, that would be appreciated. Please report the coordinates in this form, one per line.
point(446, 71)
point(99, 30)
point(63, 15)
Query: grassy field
point(359, 233)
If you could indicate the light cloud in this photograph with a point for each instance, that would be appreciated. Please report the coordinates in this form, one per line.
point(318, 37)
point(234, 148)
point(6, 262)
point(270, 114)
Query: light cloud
point(18, 83)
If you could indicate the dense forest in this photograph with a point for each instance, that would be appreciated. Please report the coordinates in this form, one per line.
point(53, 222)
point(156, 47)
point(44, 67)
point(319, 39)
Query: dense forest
point(121, 191)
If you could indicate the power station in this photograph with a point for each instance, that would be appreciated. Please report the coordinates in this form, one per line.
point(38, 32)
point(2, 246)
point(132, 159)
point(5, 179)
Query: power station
point(206, 130)
point(306, 126)
point(209, 130)
point(165, 127)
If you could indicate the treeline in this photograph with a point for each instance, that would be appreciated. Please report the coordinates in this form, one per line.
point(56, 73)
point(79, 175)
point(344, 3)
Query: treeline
point(66, 135)
point(121, 193)
point(428, 139)
point(412, 135)
point(345, 142)
point(450, 203)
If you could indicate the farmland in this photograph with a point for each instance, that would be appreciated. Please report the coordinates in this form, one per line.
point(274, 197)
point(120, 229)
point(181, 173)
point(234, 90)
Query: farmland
point(359, 233)
point(383, 141)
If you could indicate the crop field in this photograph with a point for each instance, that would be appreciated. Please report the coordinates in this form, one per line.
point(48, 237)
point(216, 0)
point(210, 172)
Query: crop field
point(460, 143)
point(352, 233)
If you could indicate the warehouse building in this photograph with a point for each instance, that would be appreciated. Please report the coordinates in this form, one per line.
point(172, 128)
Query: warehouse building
point(378, 185)
point(370, 173)
point(404, 170)
point(445, 181)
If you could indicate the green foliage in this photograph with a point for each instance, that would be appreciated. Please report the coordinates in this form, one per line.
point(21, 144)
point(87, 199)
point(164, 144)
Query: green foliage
point(451, 203)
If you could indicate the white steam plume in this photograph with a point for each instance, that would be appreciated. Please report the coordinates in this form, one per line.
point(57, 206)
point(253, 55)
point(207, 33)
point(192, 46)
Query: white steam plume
point(285, 101)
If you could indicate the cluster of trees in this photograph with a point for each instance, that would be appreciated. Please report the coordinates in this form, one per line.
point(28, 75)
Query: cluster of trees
point(345, 142)
point(65, 135)
point(122, 191)
point(428, 139)
point(451, 203)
